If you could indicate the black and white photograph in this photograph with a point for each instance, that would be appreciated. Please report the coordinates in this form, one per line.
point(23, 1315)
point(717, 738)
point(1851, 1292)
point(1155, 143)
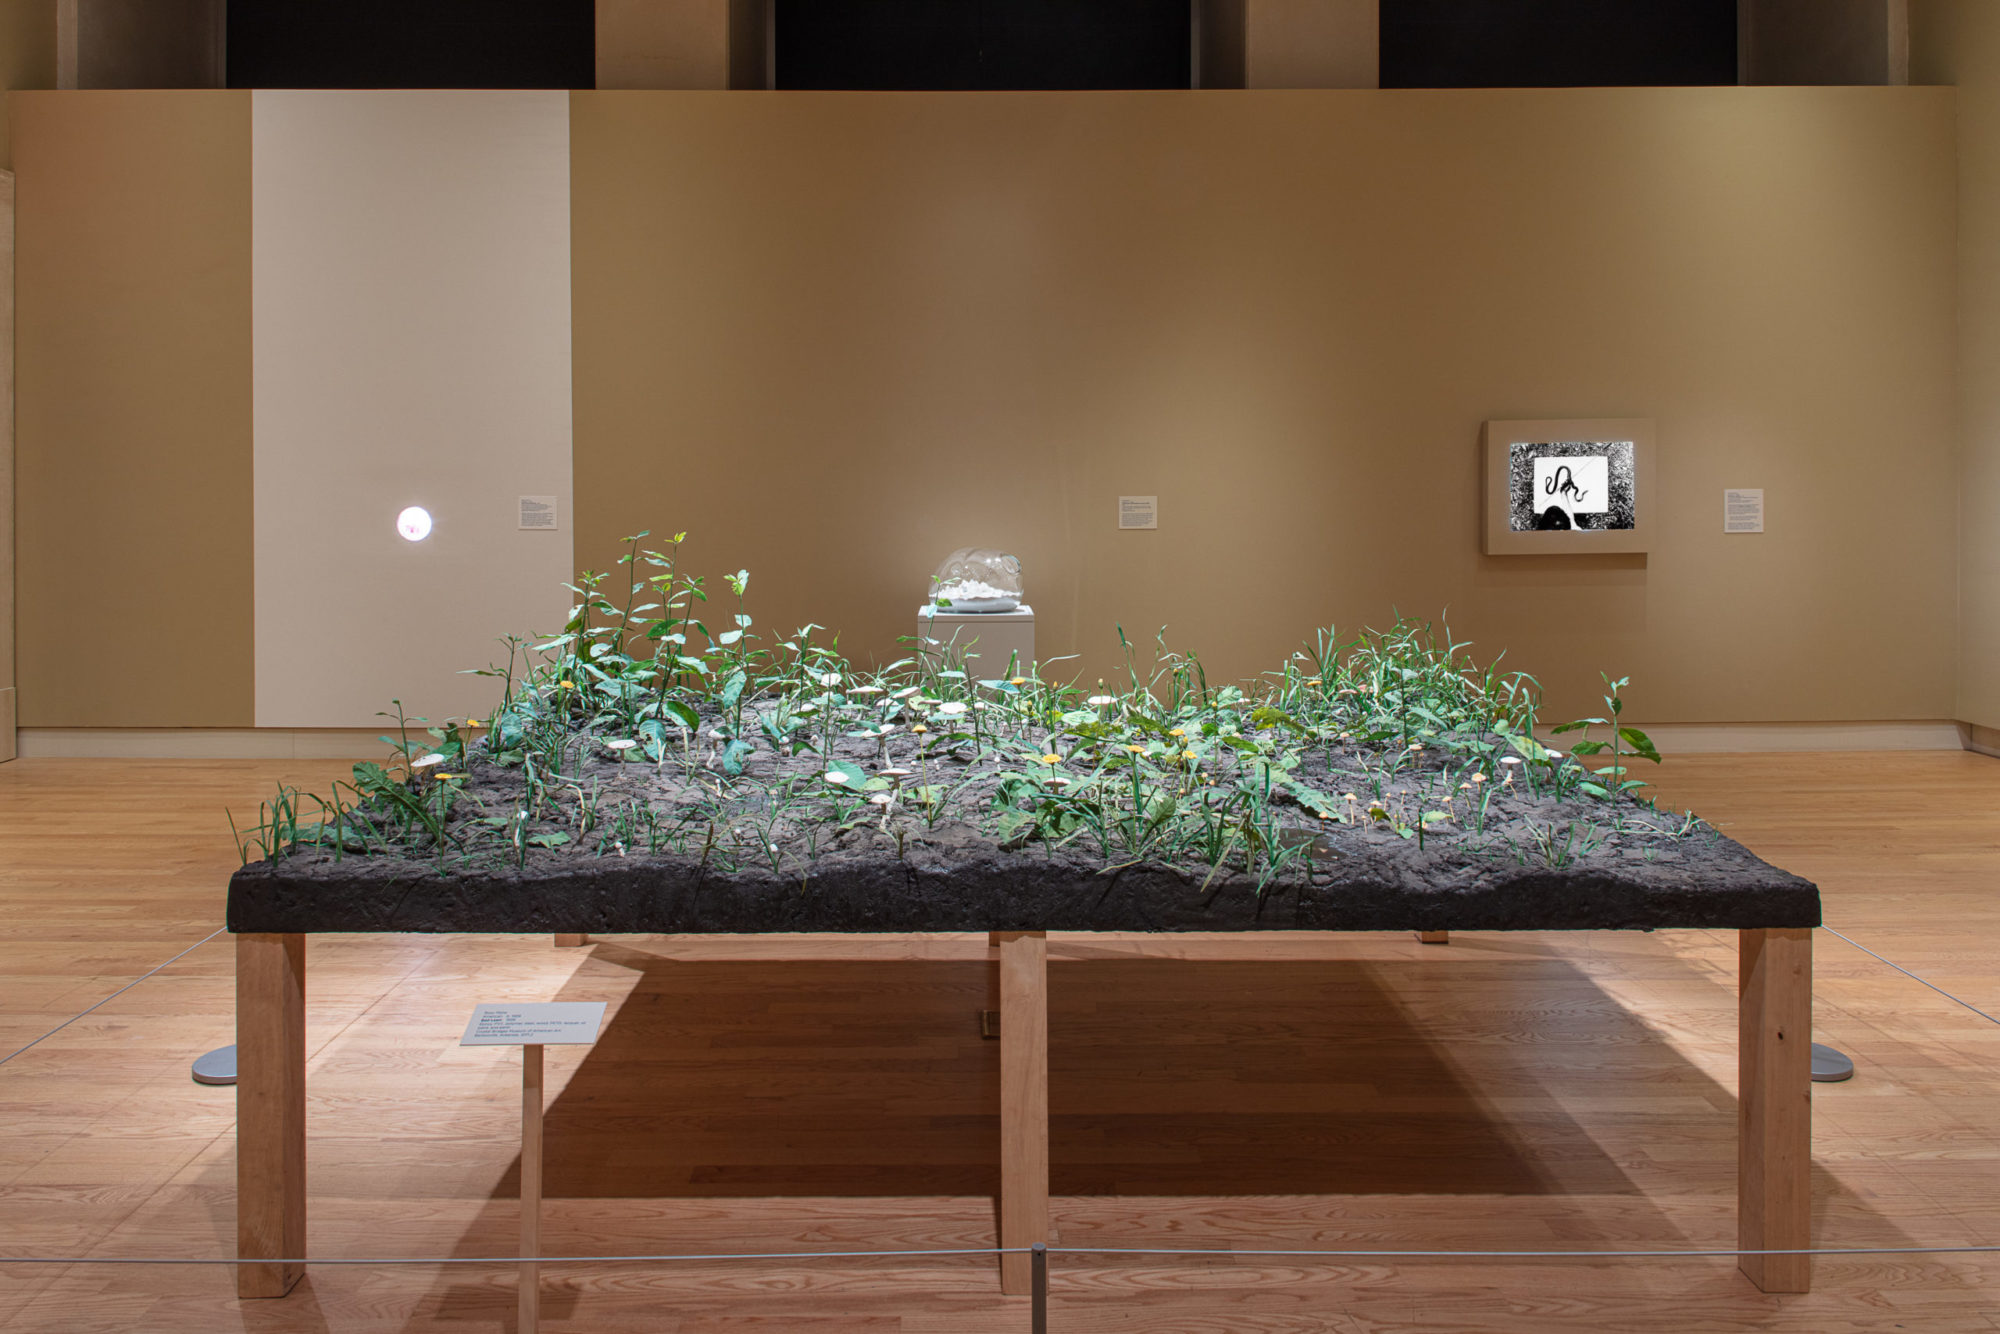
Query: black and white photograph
point(1571, 485)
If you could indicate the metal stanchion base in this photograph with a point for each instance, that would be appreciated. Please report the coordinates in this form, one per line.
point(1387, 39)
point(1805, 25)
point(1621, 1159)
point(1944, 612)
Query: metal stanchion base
point(216, 1067)
point(1830, 1066)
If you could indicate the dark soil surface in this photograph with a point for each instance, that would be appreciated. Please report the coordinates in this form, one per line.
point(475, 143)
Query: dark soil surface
point(779, 848)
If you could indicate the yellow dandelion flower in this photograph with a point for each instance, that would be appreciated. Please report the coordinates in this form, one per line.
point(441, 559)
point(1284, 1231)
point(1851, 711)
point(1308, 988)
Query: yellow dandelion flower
point(1177, 731)
point(1051, 759)
point(1136, 750)
point(918, 727)
point(1189, 755)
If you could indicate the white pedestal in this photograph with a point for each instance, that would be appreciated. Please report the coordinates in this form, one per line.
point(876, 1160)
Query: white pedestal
point(990, 640)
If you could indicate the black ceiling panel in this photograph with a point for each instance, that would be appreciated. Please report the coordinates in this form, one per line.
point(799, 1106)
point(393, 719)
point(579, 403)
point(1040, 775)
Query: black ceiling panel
point(1557, 43)
point(982, 44)
point(412, 43)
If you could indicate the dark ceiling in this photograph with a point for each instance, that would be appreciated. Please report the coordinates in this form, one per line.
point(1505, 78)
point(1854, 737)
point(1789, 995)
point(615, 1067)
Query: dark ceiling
point(892, 44)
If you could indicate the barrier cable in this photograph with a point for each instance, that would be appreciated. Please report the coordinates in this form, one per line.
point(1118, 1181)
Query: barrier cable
point(1914, 977)
point(1038, 1252)
point(1211, 1252)
point(113, 996)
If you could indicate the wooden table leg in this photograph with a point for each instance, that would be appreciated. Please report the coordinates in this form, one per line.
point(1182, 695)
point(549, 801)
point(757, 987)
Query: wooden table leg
point(1024, 1101)
point(1434, 937)
point(570, 942)
point(270, 1111)
point(530, 1307)
point(1774, 1106)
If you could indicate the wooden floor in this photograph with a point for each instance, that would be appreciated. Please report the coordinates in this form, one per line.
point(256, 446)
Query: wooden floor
point(1504, 1091)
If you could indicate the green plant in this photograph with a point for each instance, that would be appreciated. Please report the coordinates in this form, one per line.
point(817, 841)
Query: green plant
point(1611, 777)
point(762, 755)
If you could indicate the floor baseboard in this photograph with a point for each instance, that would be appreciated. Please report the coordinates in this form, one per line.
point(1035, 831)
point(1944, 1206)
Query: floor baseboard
point(1985, 740)
point(1709, 738)
point(201, 743)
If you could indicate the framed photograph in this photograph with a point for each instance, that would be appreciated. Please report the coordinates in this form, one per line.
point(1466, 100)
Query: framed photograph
point(1555, 487)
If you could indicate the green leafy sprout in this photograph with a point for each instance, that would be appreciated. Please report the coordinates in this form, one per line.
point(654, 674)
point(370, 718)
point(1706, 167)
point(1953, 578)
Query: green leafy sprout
point(639, 731)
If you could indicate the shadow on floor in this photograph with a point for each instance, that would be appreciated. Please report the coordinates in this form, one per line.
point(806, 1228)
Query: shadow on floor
point(1167, 1077)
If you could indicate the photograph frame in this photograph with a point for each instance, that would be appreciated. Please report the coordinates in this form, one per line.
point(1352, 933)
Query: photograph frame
point(1501, 538)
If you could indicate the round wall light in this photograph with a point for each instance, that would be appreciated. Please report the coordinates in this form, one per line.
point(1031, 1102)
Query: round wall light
point(414, 523)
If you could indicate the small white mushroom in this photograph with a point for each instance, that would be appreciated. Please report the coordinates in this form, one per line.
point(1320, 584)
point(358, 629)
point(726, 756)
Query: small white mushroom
point(427, 761)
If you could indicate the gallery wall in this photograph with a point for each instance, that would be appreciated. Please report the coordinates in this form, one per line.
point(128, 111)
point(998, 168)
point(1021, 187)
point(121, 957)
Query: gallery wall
point(411, 310)
point(838, 336)
point(1958, 42)
point(834, 336)
point(27, 56)
point(133, 409)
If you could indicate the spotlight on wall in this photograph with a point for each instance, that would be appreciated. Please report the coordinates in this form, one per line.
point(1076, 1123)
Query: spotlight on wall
point(414, 523)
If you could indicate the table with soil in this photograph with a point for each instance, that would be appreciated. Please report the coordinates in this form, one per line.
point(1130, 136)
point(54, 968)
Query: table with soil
point(957, 885)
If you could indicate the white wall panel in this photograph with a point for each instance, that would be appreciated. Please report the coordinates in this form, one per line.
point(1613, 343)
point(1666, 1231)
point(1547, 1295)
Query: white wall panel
point(412, 347)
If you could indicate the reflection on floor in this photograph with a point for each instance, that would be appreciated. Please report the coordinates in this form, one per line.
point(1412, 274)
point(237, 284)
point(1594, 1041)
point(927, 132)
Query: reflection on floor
point(1213, 1093)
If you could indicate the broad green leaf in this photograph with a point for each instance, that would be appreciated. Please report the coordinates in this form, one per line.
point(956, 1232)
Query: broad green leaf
point(1641, 744)
point(1319, 803)
point(846, 774)
point(1014, 825)
point(1528, 747)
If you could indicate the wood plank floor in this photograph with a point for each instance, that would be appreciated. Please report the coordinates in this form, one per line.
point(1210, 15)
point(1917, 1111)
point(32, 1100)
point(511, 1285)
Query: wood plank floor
point(1220, 1094)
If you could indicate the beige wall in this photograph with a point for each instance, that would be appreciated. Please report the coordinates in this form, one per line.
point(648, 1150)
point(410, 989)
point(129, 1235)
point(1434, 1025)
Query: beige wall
point(9, 699)
point(682, 43)
point(134, 409)
point(1958, 41)
point(144, 43)
point(1312, 44)
point(27, 55)
point(1823, 41)
point(663, 43)
point(411, 308)
point(836, 336)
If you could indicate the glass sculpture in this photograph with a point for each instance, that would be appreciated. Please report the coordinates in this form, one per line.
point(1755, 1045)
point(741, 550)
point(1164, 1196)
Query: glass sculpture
point(978, 579)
